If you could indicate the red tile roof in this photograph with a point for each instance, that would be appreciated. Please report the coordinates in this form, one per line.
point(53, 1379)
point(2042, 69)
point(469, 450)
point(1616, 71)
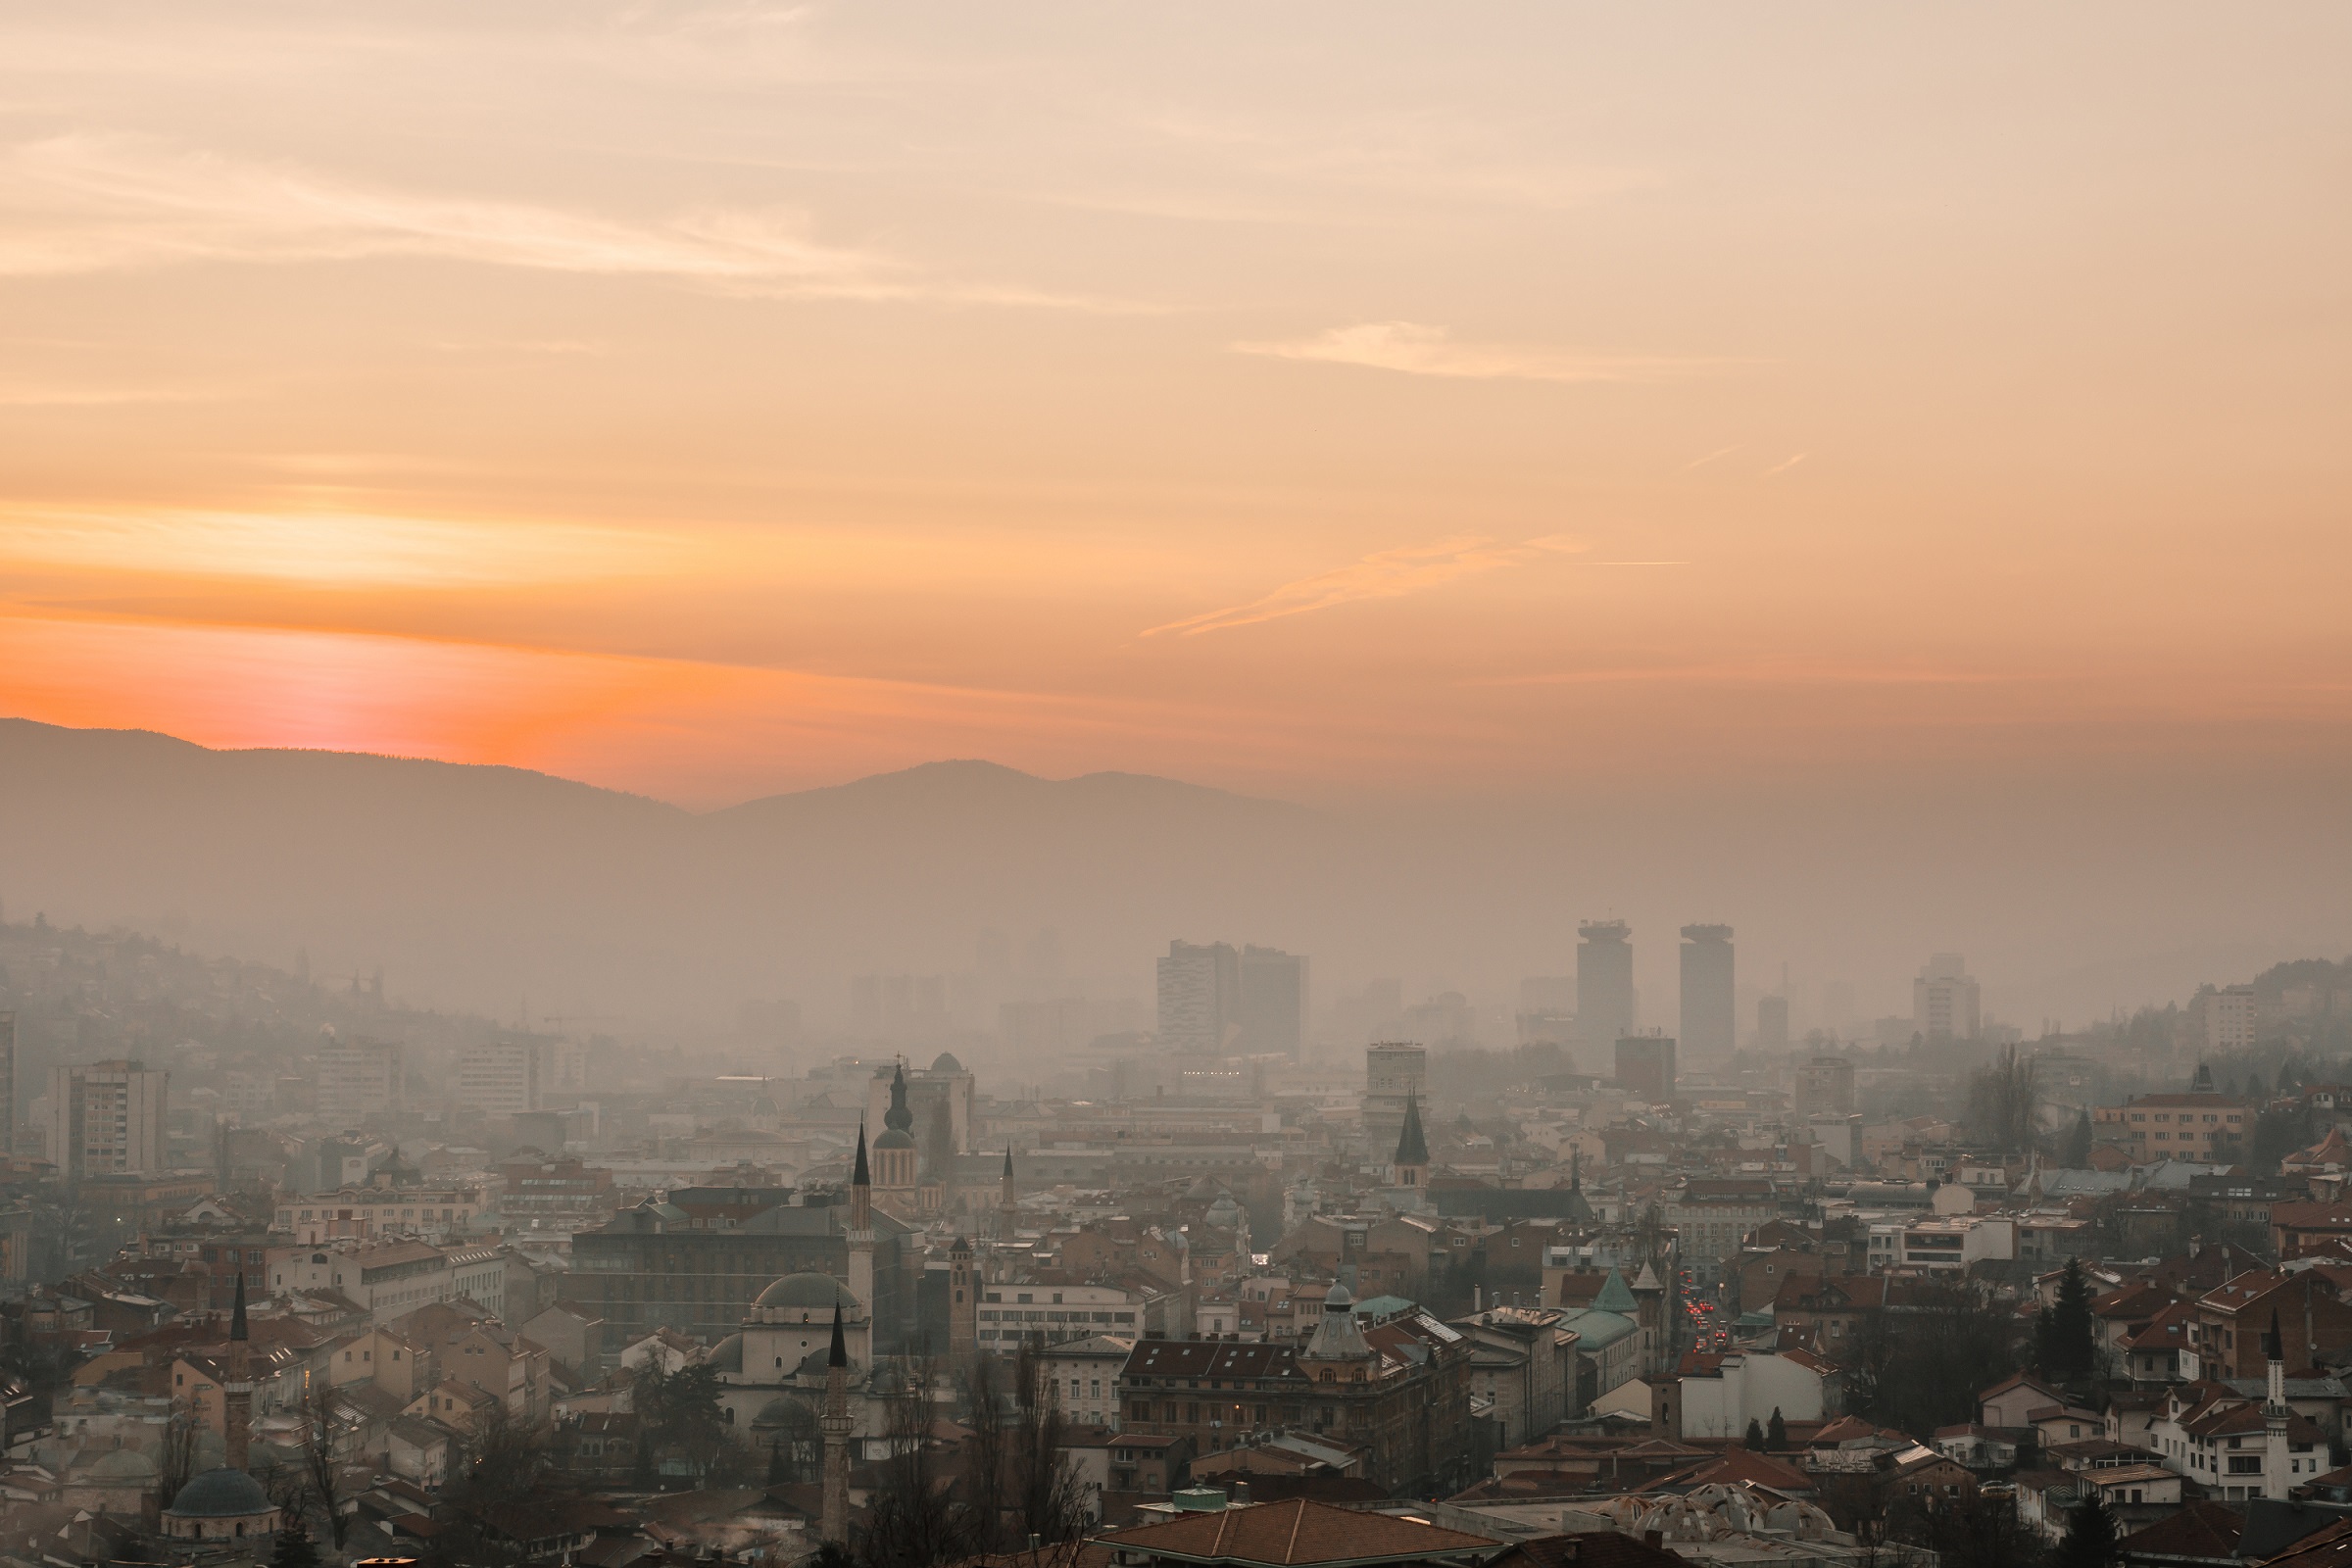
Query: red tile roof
point(1298, 1531)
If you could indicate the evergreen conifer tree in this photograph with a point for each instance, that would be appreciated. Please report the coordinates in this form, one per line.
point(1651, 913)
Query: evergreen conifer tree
point(1755, 1434)
point(295, 1548)
point(1777, 1434)
point(2090, 1535)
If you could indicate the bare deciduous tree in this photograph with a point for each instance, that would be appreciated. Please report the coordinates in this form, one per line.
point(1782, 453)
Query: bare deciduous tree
point(320, 1463)
point(915, 1521)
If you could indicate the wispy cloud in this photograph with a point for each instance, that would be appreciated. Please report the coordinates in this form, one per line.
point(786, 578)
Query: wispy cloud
point(1719, 452)
point(1382, 574)
point(1416, 350)
point(82, 203)
point(331, 549)
point(1786, 464)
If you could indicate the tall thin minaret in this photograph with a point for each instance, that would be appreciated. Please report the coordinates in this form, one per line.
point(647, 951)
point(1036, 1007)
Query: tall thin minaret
point(834, 1524)
point(1008, 1201)
point(2273, 1350)
point(236, 1391)
point(862, 1233)
point(964, 1297)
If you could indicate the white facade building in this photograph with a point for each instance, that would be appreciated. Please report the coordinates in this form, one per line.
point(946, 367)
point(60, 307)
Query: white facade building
point(107, 1118)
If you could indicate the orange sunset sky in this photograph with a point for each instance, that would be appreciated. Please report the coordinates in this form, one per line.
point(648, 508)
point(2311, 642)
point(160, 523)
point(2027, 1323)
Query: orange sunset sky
point(1324, 401)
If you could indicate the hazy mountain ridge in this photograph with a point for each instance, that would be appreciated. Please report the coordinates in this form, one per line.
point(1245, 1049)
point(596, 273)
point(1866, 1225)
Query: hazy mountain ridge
point(476, 885)
point(476, 888)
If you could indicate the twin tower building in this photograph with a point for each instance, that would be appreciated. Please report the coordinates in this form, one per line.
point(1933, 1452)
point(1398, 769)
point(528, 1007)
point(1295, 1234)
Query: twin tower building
point(1607, 1017)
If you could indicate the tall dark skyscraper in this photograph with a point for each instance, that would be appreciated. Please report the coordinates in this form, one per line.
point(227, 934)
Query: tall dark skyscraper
point(1709, 1008)
point(1604, 981)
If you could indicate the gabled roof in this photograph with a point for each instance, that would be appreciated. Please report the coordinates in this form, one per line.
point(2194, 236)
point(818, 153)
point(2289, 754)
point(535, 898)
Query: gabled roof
point(1746, 1467)
point(1299, 1532)
point(2200, 1531)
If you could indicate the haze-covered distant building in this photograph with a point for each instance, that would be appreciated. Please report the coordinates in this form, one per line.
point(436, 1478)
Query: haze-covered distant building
point(898, 1008)
point(1604, 980)
point(1395, 1074)
point(1943, 999)
point(1825, 1087)
point(2225, 1017)
point(1273, 1002)
point(1200, 998)
point(1645, 1066)
point(8, 1081)
point(358, 1078)
point(499, 1077)
point(1710, 1007)
point(108, 1118)
point(1772, 1023)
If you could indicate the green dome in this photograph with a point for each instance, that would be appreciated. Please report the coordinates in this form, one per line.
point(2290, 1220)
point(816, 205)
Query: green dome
point(222, 1493)
point(814, 1291)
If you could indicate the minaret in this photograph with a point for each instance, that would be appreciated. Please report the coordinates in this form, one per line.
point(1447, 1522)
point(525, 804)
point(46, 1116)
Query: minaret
point(963, 1303)
point(834, 1524)
point(2273, 1346)
point(1009, 1202)
point(862, 1233)
point(236, 1391)
point(1412, 1149)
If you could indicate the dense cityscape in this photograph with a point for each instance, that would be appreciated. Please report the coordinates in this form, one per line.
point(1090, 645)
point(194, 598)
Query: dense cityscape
point(287, 1261)
point(796, 784)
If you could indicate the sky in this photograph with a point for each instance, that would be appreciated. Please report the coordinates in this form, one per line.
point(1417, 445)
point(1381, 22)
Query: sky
point(1335, 402)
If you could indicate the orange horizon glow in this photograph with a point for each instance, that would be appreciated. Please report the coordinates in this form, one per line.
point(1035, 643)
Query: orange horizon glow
point(713, 401)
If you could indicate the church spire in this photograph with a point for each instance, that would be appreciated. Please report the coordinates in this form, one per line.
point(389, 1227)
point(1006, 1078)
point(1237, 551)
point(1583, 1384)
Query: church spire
point(1412, 1159)
point(859, 1176)
point(900, 1116)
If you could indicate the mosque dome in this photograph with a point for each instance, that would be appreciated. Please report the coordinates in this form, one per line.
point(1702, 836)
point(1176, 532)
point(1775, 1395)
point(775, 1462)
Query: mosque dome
point(946, 1062)
point(123, 1464)
point(810, 1293)
point(222, 1493)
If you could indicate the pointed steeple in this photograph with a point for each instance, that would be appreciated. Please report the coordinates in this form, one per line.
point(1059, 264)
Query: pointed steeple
point(237, 1330)
point(1008, 1162)
point(1412, 1149)
point(1615, 1297)
point(839, 1355)
point(859, 1176)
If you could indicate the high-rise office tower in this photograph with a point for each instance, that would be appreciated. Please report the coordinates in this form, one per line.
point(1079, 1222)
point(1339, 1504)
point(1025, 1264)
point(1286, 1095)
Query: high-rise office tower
point(1772, 1023)
point(1710, 1011)
point(8, 1082)
point(1943, 999)
point(1604, 981)
point(108, 1118)
point(1273, 1001)
point(1200, 998)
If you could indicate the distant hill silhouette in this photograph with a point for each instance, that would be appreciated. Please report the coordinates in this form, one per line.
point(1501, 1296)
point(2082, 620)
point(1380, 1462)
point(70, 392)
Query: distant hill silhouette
point(476, 885)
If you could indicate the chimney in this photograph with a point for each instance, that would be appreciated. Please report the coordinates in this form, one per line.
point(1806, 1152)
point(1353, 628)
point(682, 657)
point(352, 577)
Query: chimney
point(1240, 1496)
